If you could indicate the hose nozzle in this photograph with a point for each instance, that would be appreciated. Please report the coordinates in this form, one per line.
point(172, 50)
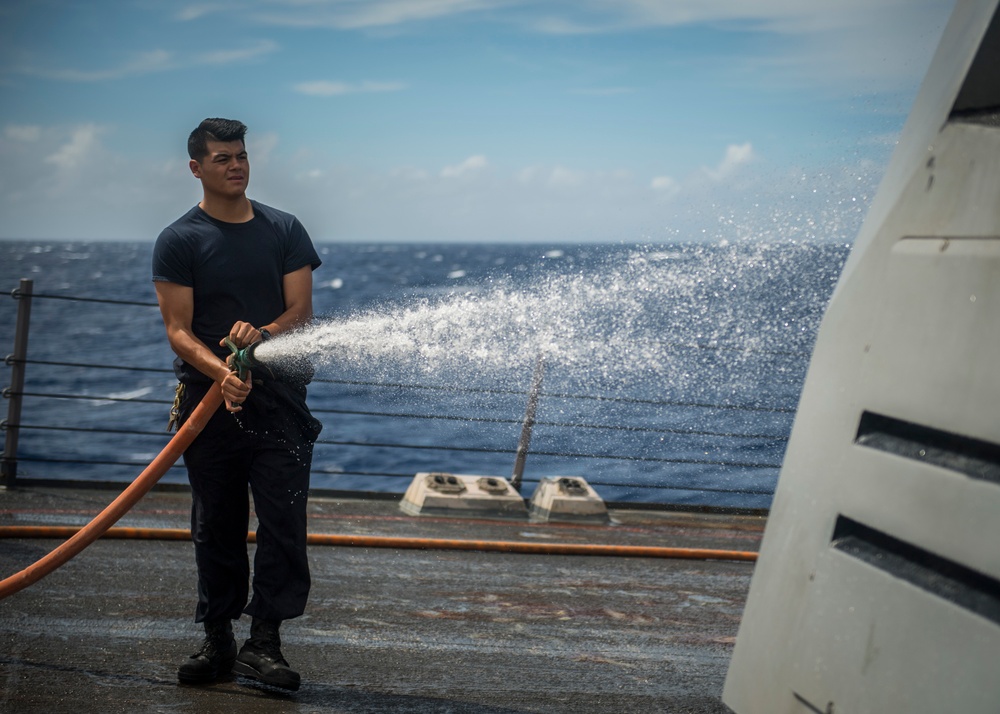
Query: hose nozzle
point(242, 360)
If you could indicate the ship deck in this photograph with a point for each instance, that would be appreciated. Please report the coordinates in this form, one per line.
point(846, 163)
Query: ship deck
point(387, 629)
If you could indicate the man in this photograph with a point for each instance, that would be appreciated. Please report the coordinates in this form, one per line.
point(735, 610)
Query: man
point(235, 268)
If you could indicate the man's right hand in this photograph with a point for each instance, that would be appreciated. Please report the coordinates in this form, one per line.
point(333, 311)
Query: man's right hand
point(235, 391)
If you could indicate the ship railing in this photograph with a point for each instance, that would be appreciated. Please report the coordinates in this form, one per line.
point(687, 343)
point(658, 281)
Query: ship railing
point(390, 483)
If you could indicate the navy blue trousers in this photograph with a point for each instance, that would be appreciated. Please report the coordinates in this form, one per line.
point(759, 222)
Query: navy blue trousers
point(225, 464)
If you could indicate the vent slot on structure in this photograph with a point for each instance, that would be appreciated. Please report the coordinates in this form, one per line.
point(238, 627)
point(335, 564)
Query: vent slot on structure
point(985, 117)
point(954, 582)
point(978, 101)
point(975, 458)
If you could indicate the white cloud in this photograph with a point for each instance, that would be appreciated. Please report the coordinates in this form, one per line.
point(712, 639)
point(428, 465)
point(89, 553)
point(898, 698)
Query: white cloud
point(562, 177)
point(325, 88)
point(194, 12)
point(527, 175)
point(151, 62)
point(71, 193)
point(470, 166)
point(583, 17)
point(665, 185)
point(260, 147)
point(82, 144)
point(367, 14)
point(836, 42)
point(238, 55)
point(78, 182)
point(142, 63)
point(409, 173)
point(780, 16)
point(736, 156)
point(22, 132)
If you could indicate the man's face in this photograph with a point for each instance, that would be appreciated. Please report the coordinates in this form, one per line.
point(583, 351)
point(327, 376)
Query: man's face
point(225, 170)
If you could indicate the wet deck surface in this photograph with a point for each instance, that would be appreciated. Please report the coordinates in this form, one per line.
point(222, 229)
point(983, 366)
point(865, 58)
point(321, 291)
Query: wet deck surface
point(386, 630)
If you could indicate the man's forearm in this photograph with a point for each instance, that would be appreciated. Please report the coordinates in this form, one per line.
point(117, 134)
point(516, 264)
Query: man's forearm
point(288, 320)
point(197, 354)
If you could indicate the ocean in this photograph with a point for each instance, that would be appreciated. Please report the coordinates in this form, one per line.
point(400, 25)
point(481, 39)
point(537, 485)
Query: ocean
point(668, 373)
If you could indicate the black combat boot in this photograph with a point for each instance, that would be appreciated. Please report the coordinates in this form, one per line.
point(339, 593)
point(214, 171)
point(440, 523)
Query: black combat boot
point(216, 657)
point(260, 657)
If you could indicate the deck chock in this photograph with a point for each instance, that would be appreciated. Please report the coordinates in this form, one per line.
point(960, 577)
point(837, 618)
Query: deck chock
point(566, 498)
point(462, 495)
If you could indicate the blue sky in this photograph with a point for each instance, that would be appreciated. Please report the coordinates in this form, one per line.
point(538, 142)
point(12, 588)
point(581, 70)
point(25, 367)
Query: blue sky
point(511, 120)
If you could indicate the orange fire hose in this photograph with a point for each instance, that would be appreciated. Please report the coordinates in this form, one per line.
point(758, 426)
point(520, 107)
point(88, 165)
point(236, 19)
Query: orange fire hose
point(101, 525)
point(360, 541)
point(120, 506)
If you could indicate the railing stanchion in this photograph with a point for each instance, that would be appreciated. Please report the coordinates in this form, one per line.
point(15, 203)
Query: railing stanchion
point(529, 422)
point(8, 467)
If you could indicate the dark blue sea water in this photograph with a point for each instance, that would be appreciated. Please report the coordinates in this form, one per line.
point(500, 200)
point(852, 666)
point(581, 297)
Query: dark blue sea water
point(671, 371)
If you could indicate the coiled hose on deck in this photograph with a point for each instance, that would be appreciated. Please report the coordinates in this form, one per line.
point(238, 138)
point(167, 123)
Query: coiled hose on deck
point(121, 505)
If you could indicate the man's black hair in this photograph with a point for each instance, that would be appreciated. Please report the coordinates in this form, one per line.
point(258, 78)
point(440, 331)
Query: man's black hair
point(214, 130)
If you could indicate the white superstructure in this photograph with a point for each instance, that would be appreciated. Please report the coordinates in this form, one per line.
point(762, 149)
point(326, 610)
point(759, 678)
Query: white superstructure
point(878, 584)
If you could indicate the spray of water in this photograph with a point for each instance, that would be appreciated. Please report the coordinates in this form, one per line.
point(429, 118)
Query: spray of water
point(663, 314)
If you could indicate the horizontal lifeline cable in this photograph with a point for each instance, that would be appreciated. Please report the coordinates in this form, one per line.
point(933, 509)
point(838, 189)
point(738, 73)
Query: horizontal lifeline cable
point(458, 390)
point(434, 447)
point(558, 395)
point(403, 543)
point(632, 429)
point(606, 399)
point(86, 397)
point(413, 447)
point(541, 422)
point(50, 363)
point(121, 505)
point(409, 476)
point(397, 415)
point(17, 295)
point(558, 454)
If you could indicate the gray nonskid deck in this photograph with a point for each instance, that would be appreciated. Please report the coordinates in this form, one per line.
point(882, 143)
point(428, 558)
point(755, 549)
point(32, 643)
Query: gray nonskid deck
point(386, 630)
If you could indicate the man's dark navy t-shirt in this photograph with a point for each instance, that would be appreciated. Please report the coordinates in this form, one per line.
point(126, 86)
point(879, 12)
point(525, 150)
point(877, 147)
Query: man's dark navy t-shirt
point(235, 269)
